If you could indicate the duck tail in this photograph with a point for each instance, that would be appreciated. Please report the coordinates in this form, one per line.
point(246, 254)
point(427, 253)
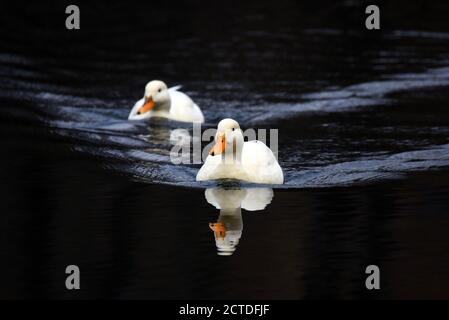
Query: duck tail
point(175, 88)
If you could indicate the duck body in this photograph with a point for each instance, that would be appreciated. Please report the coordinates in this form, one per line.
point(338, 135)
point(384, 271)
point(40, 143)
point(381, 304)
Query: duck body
point(183, 108)
point(250, 161)
point(215, 168)
point(260, 164)
point(172, 104)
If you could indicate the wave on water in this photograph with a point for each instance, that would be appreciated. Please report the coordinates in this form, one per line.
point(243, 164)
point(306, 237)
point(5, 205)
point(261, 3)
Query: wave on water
point(142, 150)
point(147, 167)
point(355, 96)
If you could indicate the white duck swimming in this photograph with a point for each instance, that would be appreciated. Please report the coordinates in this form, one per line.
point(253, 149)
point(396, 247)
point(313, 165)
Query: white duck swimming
point(159, 101)
point(232, 158)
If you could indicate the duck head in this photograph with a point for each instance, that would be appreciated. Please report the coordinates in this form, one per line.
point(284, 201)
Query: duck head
point(228, 141)
point(155, 100)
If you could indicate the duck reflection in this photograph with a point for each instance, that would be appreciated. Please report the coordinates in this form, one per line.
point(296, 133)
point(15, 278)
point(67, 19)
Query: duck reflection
point(229, 226)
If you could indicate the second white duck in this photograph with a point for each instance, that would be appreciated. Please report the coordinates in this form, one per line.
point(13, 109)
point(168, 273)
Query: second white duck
point(232, 158)
point(159, 101)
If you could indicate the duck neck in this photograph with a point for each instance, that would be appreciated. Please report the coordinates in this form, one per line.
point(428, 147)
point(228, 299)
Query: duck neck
point(162, 109)
point(231, 217)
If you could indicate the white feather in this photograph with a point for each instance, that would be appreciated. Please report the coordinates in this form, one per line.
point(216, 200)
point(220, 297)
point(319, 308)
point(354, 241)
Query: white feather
point(182, 108)
point(257, 162)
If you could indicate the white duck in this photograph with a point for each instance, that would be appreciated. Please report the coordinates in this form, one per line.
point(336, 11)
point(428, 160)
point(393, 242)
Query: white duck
point(232, 158)
point(159, 101)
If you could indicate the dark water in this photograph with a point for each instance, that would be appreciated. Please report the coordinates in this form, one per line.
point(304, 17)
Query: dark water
point(363, 140)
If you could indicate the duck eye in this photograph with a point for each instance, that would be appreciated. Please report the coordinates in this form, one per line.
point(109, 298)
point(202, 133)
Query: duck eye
point(233, 129)
point(159, 90)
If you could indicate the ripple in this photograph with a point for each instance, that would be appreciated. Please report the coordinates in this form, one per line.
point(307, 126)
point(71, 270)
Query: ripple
point(313, 112)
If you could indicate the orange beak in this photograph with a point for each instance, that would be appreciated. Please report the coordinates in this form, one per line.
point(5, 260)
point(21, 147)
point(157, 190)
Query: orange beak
point(147, 106)
point(219, 229)
point(219, 147)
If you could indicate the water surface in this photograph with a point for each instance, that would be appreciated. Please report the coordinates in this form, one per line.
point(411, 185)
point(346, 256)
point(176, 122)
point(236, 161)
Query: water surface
point(363, 141)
